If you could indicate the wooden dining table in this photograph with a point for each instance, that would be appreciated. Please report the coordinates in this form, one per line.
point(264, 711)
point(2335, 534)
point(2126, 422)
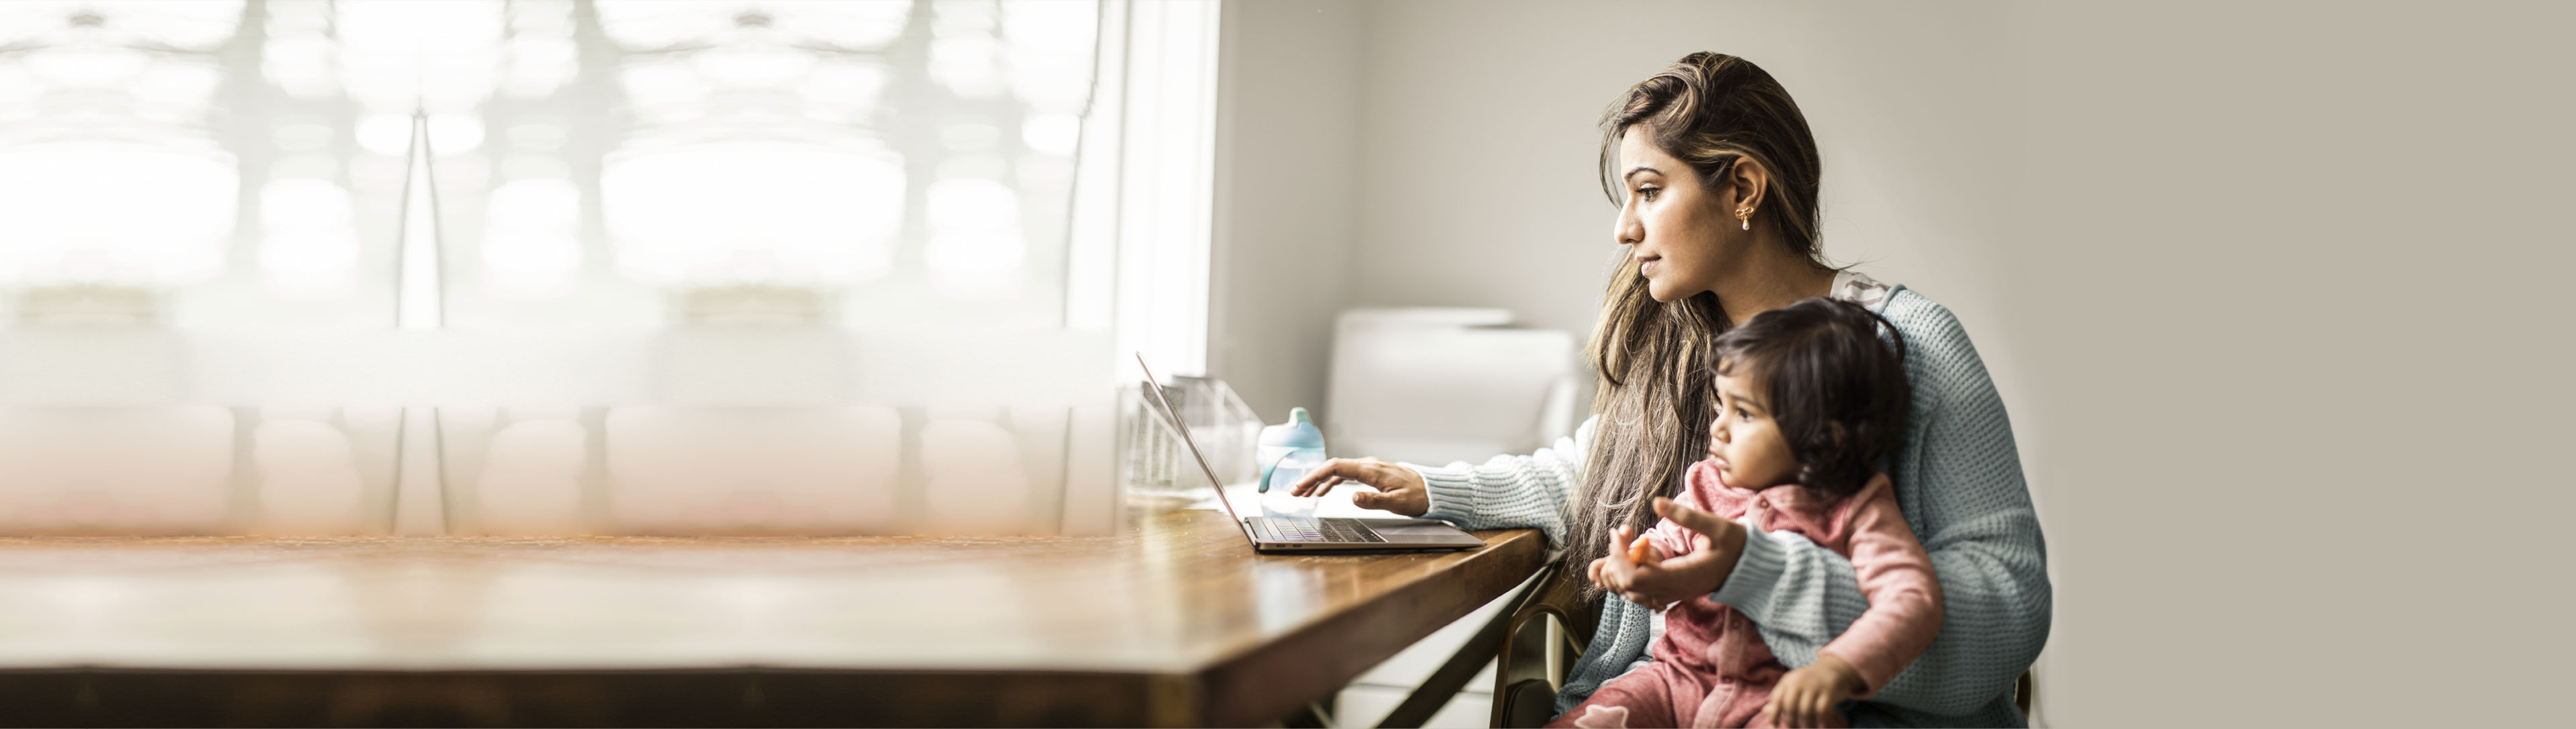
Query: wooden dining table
point(1171, 622)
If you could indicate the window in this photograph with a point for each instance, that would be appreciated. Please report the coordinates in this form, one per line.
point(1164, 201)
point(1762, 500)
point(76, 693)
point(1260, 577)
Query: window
point(603, 169)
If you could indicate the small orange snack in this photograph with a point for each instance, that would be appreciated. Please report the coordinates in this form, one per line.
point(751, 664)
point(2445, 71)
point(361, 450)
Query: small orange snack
point(1637, 550)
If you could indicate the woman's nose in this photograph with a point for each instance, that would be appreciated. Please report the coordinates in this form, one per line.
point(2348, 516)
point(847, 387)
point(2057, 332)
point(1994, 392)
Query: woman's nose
point(1625, 230)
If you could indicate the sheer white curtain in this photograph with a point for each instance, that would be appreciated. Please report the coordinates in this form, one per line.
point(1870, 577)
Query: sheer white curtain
point(622, 175)
point(609, 161)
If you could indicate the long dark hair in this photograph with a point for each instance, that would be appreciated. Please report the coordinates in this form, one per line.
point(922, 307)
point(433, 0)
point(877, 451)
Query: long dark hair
point(1656, 399)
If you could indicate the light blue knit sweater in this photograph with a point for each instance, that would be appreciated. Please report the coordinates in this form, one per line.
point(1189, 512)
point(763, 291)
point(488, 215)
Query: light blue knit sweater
point(1959, 482)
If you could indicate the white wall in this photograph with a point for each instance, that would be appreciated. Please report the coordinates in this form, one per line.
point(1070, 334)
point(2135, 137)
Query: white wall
point(2265, 288)
point(1441, 153)
point(1287, 144)
point(2283, 280)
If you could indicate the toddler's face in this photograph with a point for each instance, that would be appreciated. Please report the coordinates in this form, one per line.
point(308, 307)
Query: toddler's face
point(1745, 438)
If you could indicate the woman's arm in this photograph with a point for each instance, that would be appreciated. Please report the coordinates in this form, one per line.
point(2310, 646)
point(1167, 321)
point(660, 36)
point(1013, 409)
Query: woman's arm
point(1511, 491)
point(1960, 480)
point(1506, 492)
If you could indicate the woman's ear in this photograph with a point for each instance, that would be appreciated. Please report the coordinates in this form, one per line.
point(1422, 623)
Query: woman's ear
point(1839, 432)
point(1745, 182)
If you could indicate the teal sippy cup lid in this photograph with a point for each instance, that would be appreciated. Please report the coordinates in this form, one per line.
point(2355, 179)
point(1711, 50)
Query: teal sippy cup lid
point(1298, 432)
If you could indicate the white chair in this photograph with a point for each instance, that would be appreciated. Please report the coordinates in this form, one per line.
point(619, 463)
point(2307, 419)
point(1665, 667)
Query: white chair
point(1436, 386)
point(1431, 385)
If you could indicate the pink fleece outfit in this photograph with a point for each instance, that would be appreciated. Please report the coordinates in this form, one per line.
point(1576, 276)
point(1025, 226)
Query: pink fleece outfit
point(1711, 668)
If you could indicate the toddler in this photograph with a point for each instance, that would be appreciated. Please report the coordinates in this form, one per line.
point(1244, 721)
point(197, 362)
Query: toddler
point(1810, 402)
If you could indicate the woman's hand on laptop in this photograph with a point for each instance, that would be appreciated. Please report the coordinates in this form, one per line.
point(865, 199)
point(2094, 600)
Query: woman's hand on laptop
point(1399, 489)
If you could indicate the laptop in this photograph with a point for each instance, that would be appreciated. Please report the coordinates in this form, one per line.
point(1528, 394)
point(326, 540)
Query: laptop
point(1270, 534)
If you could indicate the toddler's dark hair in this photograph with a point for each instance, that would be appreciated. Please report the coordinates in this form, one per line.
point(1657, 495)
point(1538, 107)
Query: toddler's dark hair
point(1824, 365)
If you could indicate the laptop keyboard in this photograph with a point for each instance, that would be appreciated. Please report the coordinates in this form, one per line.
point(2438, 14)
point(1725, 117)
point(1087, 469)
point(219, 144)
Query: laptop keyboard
point(1279, 529)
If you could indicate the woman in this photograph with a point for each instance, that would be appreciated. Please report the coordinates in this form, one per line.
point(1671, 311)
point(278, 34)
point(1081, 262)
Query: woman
point(1717, 178)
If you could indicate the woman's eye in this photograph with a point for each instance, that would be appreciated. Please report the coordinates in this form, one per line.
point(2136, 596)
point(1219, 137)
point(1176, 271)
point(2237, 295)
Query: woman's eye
point(1648, 192)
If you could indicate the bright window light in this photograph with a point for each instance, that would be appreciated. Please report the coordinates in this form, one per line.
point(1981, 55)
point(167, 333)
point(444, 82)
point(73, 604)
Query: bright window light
point(101, 212)
point(301, 64)
point(539, 65)
point(309, 245)
point(189, 24)
point(304, 205)
point(709, 143)
point(301, 135)
point(1055, 134)
point(531, 245)
point(754, 213)
point(976, 246)
point(402, 54)
point(845, 24)
point(966, 65)
point(455, 133)
point(87, 66)
point(385, 134)
point(844, 91)
point(1050, 52)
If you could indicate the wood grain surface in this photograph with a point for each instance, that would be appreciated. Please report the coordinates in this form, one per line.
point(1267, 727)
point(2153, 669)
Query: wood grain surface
point(1172, 623)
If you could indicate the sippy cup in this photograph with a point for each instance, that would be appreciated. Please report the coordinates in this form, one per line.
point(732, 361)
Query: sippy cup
point(1286, 452)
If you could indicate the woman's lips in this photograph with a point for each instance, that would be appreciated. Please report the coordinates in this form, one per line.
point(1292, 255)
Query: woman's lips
point(1646, 267)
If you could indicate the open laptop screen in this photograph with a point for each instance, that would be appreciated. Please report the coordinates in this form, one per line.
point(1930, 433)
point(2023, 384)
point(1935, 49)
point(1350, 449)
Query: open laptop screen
point(1172, 417)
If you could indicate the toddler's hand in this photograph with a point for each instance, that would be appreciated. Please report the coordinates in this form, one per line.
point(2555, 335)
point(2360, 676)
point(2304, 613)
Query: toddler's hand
point(1660, 580)
point(1806, 696)
point(1604, 571)
point(1629, 550)
point(1643, 552)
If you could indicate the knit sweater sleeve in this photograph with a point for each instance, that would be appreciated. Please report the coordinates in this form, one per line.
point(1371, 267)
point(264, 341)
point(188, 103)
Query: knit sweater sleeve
point(1511, 491)
point(1959, 480)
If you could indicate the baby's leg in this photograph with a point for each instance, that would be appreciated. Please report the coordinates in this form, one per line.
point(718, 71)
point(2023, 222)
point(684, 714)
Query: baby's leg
point(1657, 695)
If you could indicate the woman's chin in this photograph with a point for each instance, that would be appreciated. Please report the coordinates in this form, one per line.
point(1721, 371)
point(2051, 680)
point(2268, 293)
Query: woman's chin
point(1660, 291)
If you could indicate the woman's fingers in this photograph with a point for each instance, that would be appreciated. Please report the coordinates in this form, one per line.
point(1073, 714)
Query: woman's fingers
point(1326, 485)
point(1332, 473)
point(1399, 489)
point(1373, 500)
point(1323, 478)
point(1655, 579)
point(1689, 518)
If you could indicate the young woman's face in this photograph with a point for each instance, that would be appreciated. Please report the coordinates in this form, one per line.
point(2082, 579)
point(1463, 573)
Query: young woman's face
point(1674, 226)
point(1746, 441)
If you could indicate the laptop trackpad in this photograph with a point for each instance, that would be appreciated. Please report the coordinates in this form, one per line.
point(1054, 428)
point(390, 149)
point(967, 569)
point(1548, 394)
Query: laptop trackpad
point(1420, 531)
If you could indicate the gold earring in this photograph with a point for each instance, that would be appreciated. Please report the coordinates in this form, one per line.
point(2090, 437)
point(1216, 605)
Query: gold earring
point(1746, 215)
